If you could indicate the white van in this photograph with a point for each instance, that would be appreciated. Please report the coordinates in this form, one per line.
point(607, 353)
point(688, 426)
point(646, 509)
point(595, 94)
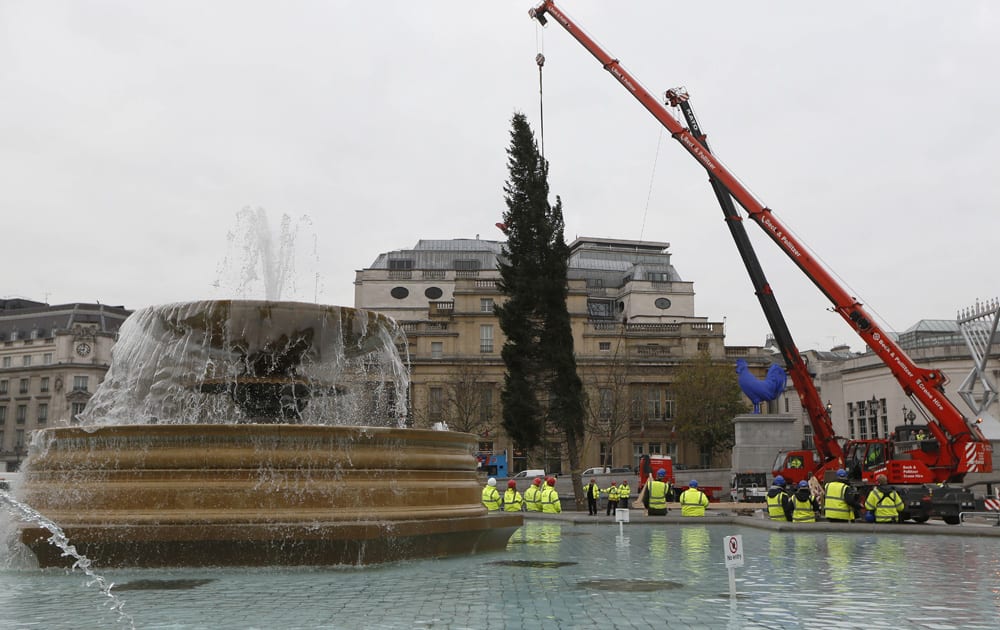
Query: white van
point(531, 472)
point(605, 470)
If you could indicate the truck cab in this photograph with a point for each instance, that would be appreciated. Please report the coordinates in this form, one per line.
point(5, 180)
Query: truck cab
point(795, 466)
point(648, 465)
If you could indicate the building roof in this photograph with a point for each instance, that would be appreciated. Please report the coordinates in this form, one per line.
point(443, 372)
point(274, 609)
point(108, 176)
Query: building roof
point(458, 245)
point(621, 258)
point(931, 332)
point(39, 320)
point(934, 326)
point(13, 304)
point(619, 244)
point(442, 254)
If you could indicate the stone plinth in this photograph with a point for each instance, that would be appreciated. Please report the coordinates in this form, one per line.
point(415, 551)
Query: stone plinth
point(759, 439)
point(207, 495)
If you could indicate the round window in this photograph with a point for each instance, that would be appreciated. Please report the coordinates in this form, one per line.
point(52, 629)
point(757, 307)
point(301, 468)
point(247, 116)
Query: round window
point(662, 303)
point(432, 293)
point(399, 292)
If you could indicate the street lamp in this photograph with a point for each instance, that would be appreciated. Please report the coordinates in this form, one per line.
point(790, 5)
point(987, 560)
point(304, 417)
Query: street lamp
point(18, 453)
point(829, 408)
point(908, 416)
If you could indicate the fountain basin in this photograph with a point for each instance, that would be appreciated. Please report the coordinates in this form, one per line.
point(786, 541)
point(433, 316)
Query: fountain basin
point(257, 494)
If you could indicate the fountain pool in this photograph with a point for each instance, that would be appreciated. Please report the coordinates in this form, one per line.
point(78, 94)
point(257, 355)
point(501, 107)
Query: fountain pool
point(558, 575)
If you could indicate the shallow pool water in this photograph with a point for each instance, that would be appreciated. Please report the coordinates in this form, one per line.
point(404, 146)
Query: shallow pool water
point(560, 575)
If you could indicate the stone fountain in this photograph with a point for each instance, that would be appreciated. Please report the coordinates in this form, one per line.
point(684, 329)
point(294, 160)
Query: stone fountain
point(227, 433)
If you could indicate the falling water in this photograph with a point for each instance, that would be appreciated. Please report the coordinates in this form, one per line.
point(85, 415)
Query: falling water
point(268, 264)
point(200, 362)
point(209, 362)
point(26, 513)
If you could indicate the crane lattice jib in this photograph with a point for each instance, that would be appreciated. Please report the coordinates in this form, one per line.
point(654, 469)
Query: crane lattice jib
point(969, 451)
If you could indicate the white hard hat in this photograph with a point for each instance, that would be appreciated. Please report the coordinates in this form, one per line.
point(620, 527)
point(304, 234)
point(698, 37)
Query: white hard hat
point(491, 482)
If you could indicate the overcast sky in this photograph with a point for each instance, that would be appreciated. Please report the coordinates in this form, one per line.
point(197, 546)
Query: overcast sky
point(132, 133)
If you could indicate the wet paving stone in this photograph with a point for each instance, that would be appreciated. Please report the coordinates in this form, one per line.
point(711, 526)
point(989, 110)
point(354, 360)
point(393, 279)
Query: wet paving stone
point(161, 585)
point(630, 586)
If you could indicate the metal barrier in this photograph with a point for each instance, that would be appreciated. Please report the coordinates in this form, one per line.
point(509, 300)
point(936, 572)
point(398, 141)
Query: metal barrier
point(963, 516)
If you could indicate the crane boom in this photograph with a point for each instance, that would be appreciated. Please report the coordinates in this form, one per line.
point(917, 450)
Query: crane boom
point(829, 449)
point(963, 447)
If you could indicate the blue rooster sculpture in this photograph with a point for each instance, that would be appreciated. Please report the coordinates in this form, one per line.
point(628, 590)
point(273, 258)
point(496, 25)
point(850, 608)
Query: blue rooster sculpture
point(758, 390)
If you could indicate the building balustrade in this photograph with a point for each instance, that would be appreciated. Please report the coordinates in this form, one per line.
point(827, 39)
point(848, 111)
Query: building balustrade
point(652, 351)
point(418, 328)
point(672, 329)
point(441, 309)
point(653, 327)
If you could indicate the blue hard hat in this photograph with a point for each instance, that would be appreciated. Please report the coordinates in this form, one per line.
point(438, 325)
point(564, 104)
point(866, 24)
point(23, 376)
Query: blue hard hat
point(693, 483)
point(841, 473)
point(661, 473)
point(779, 481)
point(803, 484)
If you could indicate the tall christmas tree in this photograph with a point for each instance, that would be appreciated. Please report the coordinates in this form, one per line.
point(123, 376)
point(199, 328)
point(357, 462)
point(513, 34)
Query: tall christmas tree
point(541, 386)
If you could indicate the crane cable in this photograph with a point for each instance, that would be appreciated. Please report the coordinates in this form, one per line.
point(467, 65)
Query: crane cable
point(652, 179)
point(540, 60)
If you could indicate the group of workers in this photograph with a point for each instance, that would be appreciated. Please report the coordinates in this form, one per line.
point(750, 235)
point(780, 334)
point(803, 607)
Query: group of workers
point(838, 501)
point(656, 493)
point(617, 495)
point(539, 497)
point(543, 497)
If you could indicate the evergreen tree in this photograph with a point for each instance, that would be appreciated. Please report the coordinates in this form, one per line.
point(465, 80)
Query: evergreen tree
point(708, 397)
point(538, 353)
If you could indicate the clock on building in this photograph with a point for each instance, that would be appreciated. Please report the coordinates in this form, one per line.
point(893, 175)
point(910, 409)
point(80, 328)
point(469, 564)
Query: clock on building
point(83, 349)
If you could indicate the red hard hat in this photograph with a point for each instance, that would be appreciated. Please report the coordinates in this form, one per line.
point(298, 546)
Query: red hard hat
point(511, 484)
point(551, 481)
point(537, 481)
point(614, 483)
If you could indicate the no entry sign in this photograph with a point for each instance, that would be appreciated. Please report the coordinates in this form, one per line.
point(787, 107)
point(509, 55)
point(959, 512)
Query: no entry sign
point(733, 550)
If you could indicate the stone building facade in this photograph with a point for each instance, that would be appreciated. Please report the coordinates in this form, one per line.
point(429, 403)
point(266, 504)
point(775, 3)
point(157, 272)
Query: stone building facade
point(633, 320)
point(51, 360)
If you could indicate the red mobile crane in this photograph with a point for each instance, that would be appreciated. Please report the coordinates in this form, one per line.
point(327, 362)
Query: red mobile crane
point(955, 445)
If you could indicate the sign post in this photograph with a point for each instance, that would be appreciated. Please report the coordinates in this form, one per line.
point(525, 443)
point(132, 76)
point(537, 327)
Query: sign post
point(733, 550)
point(621, 517)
